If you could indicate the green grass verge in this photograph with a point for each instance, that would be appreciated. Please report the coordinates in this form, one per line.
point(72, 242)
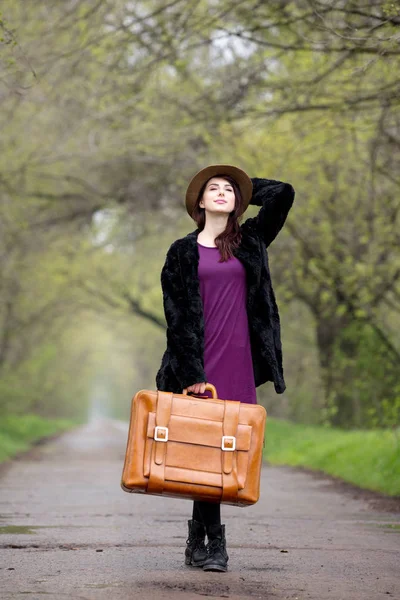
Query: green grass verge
point(20, 432)
point(368, 459)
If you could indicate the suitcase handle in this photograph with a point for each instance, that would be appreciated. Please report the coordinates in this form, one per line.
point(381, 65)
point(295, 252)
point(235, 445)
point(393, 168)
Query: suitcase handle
point(210, 387)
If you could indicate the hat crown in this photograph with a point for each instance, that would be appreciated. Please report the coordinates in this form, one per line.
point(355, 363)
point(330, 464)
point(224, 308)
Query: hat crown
point(201, 177)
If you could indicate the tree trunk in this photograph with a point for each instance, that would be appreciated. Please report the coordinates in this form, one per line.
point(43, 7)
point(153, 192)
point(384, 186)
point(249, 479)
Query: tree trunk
point(337, 374)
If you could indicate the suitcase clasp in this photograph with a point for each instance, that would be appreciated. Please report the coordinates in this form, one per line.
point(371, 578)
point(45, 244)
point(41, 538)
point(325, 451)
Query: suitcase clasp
point(161, 434)
point(228, 443)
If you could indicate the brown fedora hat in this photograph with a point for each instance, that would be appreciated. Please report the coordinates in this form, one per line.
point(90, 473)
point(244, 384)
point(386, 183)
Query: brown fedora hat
point(241, 178)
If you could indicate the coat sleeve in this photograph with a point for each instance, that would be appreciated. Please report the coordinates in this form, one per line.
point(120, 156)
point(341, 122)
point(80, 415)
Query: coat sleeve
point(276, 199)
point(185, 359)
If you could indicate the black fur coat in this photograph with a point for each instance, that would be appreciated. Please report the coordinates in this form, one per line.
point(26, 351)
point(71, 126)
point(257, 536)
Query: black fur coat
point(182, 363)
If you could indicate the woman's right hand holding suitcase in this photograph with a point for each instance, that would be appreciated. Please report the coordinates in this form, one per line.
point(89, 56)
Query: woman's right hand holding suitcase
point(197, 388)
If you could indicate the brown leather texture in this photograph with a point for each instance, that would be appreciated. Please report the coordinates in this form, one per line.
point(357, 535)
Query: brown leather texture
point(174, 447)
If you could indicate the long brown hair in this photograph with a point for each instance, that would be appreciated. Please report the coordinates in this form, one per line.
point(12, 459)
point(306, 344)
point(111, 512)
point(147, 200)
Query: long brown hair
point(231, 237)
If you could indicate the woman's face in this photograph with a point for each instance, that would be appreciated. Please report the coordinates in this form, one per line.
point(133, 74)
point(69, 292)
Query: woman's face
point(218, 196)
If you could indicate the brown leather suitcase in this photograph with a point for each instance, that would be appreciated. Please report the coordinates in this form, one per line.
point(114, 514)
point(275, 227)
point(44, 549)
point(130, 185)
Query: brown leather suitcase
point(193, 447)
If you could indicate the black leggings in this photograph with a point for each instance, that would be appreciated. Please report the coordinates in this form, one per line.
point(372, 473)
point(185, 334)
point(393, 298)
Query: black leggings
point(208, 513)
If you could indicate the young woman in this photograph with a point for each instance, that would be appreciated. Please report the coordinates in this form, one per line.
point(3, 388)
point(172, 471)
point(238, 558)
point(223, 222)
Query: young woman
point(222, 318)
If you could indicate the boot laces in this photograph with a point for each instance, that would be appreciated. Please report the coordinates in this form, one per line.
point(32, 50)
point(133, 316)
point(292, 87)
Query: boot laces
point(214, 545)
point(197, 541)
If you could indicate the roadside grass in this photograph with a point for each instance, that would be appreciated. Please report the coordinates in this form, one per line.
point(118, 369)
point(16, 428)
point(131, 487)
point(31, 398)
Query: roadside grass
point(19, 432)
point(369, 459)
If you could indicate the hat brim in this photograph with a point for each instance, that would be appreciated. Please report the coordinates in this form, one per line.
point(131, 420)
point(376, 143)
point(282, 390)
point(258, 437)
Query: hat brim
point(240, 176)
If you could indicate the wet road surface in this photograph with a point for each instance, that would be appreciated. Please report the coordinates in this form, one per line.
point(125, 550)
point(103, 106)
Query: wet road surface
point(69, 531)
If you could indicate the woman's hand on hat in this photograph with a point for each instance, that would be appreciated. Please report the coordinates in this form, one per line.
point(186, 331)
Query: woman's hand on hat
point(197, 388)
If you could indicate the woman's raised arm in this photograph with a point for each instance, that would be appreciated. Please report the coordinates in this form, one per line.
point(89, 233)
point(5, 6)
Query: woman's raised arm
point(276, 199)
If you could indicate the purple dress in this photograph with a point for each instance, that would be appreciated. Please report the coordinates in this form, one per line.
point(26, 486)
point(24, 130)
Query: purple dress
point(227, 352)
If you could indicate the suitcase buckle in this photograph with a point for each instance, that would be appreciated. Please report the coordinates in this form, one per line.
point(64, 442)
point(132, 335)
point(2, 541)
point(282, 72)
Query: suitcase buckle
point(228, 443)
point(161, 434)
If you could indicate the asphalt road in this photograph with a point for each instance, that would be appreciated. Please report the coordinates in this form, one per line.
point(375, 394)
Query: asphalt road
point(69, 531)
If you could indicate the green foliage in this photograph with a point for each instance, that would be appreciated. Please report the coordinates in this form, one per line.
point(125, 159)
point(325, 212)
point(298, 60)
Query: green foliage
point(391, 9)
point(107, 110)
point(368, 459)
point(19, 432)
point(366, 381)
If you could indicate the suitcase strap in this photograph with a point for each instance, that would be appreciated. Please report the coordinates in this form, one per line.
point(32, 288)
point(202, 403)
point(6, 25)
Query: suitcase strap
point(229, 456)
point(159, 449)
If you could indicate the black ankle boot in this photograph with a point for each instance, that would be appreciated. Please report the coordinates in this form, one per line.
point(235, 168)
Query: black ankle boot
point(217, 556)
point(195, 552)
